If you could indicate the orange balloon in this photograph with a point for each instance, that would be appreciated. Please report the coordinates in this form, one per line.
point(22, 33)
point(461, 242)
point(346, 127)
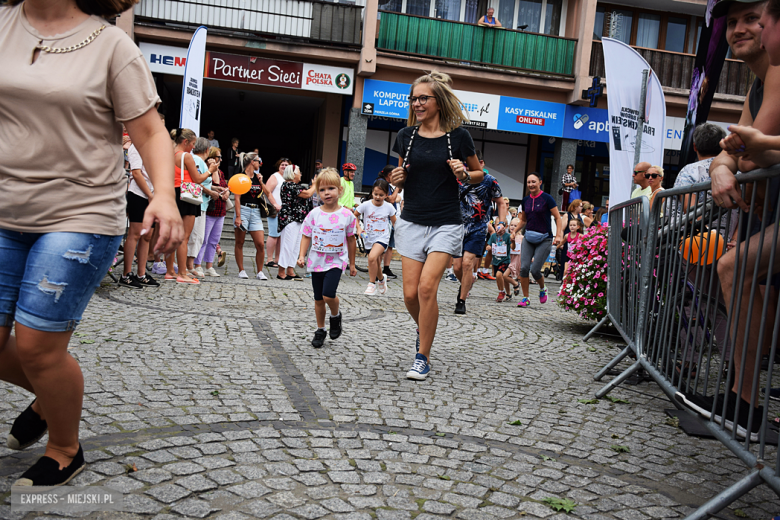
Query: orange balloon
point(703, 248)
point(239, 184)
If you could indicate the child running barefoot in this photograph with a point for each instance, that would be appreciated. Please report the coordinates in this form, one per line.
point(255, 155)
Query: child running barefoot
point(512, 274)
point(330, 231)
point(378, 215)
point(499, 245)
point(574, 234)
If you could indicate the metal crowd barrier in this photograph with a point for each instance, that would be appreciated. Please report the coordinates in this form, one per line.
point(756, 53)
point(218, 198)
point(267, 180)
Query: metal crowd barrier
point(625, 245)
point(709, 318)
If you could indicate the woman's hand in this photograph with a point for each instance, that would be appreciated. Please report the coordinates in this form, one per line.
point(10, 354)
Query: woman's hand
point(352, 270)
point(278, 207)
point(398, 176)
point(725, 188)
point(165, 214)
point(558, 240)
point(225, 195)
point(237, 223)
point(457, 168)
point(301, 262)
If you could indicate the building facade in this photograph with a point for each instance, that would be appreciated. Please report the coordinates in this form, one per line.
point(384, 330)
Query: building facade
point(311, 80)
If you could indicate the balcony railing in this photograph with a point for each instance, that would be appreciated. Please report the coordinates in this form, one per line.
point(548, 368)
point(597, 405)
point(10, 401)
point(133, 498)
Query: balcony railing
point(323, 21)
point(431, 37)
point(675, 69)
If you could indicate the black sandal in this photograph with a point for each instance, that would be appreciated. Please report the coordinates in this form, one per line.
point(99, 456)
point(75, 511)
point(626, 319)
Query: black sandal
point(47, 472)
point(272, 265)
point(27, 429)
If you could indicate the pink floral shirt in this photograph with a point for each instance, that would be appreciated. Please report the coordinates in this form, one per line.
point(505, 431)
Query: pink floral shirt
point(328, 232)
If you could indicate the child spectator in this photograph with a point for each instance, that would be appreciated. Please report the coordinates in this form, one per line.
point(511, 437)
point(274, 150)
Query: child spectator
point(512, 273)
point(573, 236)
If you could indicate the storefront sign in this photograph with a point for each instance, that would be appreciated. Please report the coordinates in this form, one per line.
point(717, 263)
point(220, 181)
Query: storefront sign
point(248, 69)
point(389, 99)
point(164, 58)
point(586, 124)
point(529, 116)
point(278, 73)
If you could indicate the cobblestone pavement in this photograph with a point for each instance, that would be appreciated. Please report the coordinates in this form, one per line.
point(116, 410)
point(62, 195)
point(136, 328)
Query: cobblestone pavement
point(210, 402)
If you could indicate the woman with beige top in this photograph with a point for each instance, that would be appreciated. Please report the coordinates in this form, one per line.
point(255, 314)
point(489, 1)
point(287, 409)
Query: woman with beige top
point(60, 227)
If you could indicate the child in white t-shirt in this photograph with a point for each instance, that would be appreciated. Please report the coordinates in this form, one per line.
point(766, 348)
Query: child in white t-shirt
point(513, 271)
point(378, 219)
point(330, 231)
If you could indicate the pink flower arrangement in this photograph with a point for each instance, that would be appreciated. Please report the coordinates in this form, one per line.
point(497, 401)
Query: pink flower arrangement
point(583, 288)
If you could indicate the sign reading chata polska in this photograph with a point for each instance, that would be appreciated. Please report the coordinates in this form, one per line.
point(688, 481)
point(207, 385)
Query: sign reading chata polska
point(279, 73)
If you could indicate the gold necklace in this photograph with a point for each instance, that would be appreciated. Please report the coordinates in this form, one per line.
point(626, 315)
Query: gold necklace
point(62, 50)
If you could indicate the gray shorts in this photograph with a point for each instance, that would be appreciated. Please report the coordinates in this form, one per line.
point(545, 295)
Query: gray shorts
point(416, 241)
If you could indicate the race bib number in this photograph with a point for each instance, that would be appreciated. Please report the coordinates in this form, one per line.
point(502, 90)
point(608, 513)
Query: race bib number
point(328, 240)
point(499, 249)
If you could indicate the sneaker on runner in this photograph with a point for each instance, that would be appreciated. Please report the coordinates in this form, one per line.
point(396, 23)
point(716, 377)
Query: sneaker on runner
point(211, 272)
point(451, 277)
point(130, 280)
point(524, 302)
point(242, 274)
point(489, 276)
point(261, 276)
point(319, 338)
point(481, 275)
point(420, 369)
point(381, 285)
point(501, 297)
point(543, 295)
point(460, 307)
point(335, 326)
point(386, 270)
point(148, 281)
point(370, 289)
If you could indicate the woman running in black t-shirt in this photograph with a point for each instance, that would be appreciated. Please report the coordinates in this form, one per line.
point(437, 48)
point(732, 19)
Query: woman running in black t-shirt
point(435, 153)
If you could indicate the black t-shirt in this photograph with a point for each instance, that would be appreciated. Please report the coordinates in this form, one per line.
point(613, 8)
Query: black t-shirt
point(254, 193)
point(756, 97)
point(431, 195)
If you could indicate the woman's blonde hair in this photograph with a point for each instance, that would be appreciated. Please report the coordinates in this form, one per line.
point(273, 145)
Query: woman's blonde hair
point(179, 135)
point(328, 177)
point(213, 152)
point(451, 114)
point(659, 169)
point(289, 172)
point(245, 159)
point(104, 8)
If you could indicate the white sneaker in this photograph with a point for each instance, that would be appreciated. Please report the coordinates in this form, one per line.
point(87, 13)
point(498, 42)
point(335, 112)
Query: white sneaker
point(211, 272)
point(261, 276)
point(382, 284)
point(370, 289)
point(242, 274)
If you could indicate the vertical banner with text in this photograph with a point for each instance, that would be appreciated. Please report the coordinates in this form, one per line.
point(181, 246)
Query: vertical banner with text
point(192, 88)
point(624, 67)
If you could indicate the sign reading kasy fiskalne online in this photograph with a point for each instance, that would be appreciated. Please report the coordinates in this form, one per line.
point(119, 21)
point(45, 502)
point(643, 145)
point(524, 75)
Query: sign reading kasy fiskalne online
point(278, 73)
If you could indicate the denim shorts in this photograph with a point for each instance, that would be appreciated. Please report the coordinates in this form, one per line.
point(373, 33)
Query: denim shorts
point(273, 227)
point(252, 219)
point(416, 241)
point(474, 243)
point(47, 279)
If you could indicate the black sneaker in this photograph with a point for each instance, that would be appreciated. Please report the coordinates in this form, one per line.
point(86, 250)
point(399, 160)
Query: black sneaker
point(148, 281)
point(460, 307)
point(47, 472)
point(319, 338)
point(774, 393)
point(698, 403)
point(742, 421)
point(386, 270)
point(335, 326)
point(130, 280)
point(28, 429)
